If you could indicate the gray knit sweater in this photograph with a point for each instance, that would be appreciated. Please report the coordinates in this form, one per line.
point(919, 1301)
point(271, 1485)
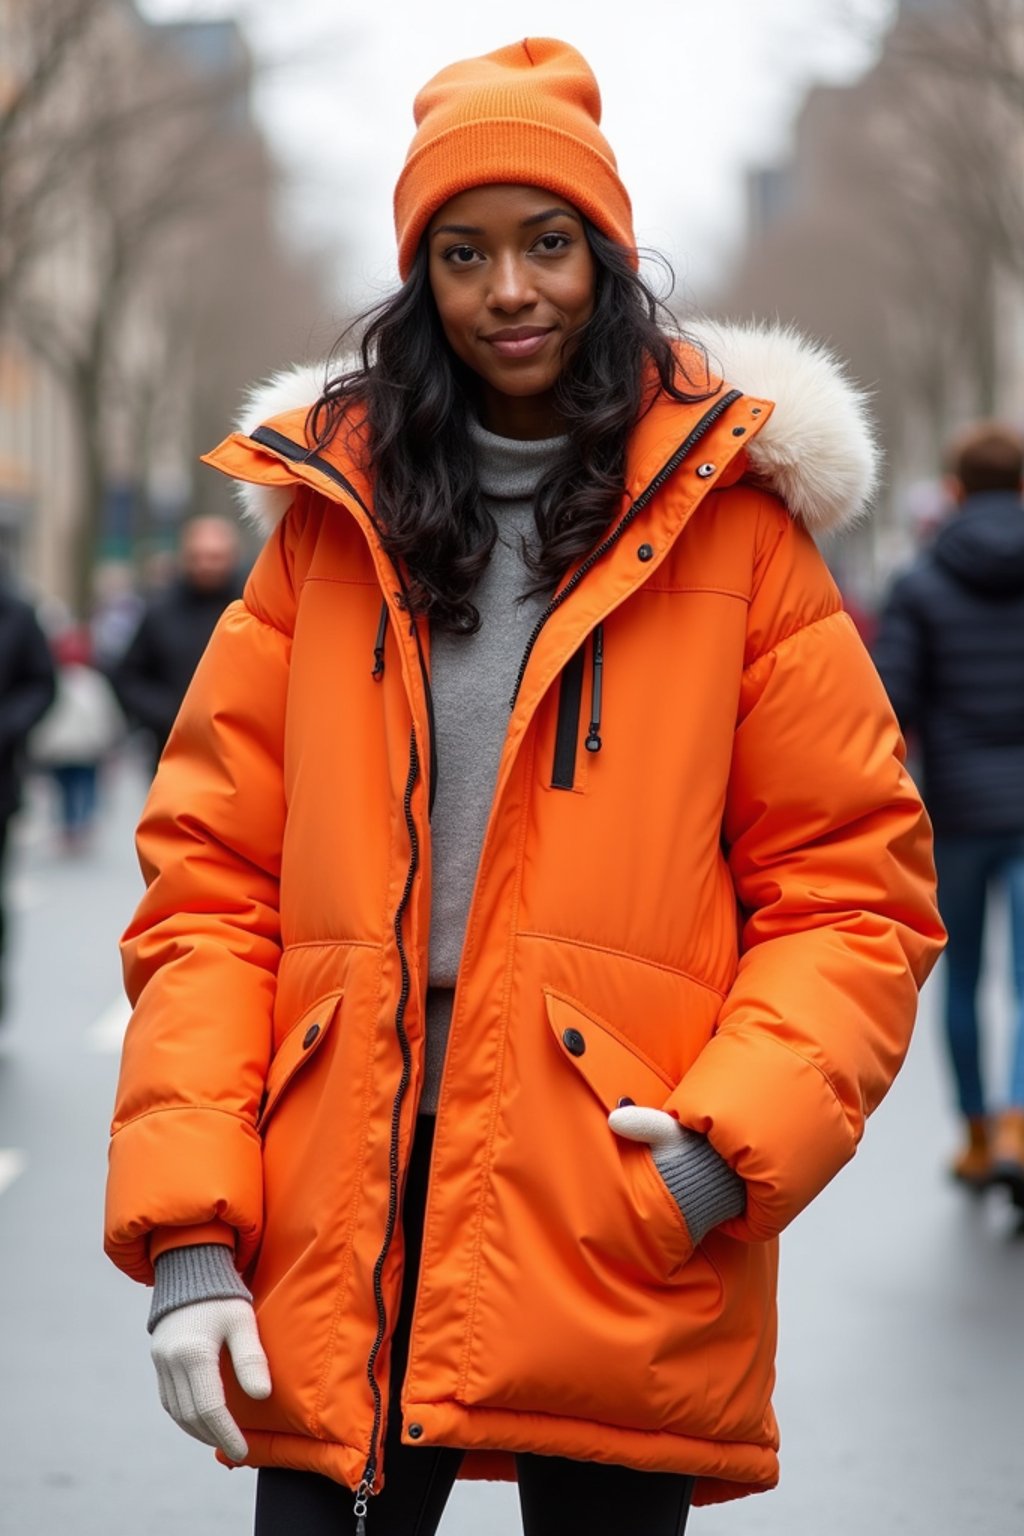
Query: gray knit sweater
point(471, 679)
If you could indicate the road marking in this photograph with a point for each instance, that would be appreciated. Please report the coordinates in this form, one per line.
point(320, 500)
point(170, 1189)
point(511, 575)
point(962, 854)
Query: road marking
point(107, 1034)
point(12, 1162)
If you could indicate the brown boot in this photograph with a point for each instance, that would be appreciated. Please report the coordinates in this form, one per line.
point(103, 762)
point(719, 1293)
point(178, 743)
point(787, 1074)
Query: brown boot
point(973, 1165)
point(1008, 1154)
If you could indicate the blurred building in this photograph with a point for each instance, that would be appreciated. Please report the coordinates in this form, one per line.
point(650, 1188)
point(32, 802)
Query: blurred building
point(895, 231)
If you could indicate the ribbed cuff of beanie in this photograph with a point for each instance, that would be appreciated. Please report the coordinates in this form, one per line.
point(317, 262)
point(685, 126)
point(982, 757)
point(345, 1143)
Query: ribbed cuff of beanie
point(704, 1187)
point(204, 1272)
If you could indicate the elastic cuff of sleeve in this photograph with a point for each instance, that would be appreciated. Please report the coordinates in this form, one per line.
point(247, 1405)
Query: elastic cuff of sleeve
point(163, 1238)
point(704, 1187)
point(204, 1272)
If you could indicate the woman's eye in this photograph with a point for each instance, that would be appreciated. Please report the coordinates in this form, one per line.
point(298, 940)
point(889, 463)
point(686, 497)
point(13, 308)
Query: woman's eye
point(553, 242)
point(460, 255)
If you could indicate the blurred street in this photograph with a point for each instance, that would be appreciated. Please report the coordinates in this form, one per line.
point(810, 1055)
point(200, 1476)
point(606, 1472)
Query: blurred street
point(902, 1350)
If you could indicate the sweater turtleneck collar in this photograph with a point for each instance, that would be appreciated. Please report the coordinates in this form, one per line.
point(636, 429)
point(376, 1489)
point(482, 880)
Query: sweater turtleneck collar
point(509, 468)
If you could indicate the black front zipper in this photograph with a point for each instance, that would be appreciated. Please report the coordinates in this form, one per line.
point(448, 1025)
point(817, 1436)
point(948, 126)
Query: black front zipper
point(293, 451)
point(706, 422)
point(366, 1488)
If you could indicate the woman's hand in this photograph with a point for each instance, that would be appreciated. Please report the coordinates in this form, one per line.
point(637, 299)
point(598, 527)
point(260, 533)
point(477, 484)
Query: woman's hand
point(186, 1352)
point(702, 1184)
point(637, 1122)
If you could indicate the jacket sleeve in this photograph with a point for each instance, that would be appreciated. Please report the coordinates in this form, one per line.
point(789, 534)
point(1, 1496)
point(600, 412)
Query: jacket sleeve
point(201, 953)
point(899, 652)
point(32, 685)
point(829, 850)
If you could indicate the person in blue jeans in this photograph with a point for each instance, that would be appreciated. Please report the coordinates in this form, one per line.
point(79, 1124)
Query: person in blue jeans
point(950, 650)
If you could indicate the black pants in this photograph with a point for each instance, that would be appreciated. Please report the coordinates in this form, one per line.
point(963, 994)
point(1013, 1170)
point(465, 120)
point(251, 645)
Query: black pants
point(557, 1496)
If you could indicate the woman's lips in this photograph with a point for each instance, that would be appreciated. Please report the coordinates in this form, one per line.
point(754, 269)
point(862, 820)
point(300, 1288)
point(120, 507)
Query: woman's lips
point(519, 346)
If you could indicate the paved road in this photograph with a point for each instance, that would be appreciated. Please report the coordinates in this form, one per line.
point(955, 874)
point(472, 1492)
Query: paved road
point(902, 1351)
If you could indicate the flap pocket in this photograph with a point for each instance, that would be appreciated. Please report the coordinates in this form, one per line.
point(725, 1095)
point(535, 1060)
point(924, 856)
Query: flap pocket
point(613, 1066)
point(302, 1041)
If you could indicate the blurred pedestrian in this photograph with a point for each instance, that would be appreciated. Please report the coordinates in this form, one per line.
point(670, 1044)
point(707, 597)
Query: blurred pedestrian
point(27, 686)
point(77, 735)
point(951, 654)
point(152, 675)
point(118, 610)
point(537, 901)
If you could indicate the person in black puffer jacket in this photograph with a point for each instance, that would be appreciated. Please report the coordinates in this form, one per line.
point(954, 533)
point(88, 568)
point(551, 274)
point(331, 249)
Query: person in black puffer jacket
point(152, 676)
point(950, 650)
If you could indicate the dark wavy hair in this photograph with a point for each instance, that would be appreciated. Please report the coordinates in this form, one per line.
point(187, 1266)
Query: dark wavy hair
point(418, 395)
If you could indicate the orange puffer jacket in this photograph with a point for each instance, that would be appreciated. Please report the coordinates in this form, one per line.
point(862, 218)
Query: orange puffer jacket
point(726, 912)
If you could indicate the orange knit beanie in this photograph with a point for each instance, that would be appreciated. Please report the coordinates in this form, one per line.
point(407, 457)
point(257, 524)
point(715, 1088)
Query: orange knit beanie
point(527, 114)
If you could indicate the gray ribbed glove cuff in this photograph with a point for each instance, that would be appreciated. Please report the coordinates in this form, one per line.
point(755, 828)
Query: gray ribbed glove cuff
point(704, 1187)
point(205, 1272)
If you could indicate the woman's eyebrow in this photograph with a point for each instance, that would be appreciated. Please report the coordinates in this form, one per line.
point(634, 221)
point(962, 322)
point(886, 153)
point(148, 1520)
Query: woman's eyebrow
point(535, 218)
point(549, 213)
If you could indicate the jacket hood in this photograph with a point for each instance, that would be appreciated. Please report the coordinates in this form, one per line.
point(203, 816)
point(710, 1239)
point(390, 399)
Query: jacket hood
point(983, 545)
point(817, 451)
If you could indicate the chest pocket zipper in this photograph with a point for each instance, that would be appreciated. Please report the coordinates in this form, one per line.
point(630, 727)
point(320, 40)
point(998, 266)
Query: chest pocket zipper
point(570, 703)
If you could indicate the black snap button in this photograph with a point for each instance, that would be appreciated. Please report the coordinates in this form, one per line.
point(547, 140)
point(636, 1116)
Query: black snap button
point(415, 1431)
point(645, 552)
point(310, 1036)
point(755, 410)
point(738, 431)
point(574, 1042)
point(625, 1103)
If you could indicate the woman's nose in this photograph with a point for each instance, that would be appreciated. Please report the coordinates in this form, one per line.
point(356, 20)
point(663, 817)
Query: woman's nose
point(511, 286)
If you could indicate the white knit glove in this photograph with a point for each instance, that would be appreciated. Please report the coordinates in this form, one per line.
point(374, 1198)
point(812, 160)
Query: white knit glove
point(637, 1122)
point(186, 1346)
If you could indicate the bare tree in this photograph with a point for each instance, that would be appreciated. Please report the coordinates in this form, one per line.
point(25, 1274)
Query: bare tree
point(139, 178)
point(905, 227)
point(39, 128)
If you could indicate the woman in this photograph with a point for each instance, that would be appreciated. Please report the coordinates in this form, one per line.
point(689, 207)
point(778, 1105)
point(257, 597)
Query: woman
point(602, 912)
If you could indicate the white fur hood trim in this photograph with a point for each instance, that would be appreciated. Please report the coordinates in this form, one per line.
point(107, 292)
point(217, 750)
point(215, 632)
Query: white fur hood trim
point(264, 505)
point(817, 451)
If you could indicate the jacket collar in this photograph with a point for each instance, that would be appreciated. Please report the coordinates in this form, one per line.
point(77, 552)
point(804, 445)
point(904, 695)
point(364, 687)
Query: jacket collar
point(814, 446)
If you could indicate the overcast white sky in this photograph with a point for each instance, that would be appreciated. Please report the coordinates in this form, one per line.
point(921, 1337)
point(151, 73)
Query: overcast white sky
point(693, 90)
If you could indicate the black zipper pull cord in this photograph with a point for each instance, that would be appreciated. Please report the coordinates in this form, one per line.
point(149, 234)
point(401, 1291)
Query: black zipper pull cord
point(593, 741)
point(378, 650)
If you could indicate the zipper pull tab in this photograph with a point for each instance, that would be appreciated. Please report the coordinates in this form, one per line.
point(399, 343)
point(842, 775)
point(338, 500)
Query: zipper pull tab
point(363, 1493)
point(593, 741)
point(378, 650)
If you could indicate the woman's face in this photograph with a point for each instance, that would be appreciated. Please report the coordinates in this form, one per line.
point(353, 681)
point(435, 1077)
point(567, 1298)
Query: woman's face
point(513, 279)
